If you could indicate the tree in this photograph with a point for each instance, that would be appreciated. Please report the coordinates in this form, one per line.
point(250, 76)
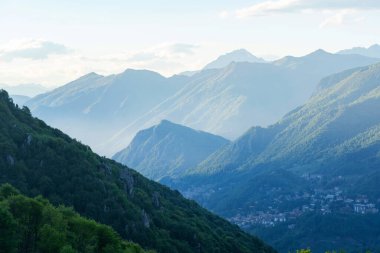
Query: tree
point(8, 229)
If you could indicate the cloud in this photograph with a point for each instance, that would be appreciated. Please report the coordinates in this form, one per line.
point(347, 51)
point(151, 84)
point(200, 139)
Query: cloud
point(342, 17)
point(224, 14)
point(180, 48)
point(165, 58)
point(268, 7)
point(142, 56)
point(31, 49)
point(288, 6)
point(164, 52)
point(61, 65)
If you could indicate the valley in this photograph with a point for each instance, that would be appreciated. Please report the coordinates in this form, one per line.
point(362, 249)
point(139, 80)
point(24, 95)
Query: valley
point(190, 126)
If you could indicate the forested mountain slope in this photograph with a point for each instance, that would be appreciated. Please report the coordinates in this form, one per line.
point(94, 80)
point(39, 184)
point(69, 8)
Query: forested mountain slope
point(38, 159)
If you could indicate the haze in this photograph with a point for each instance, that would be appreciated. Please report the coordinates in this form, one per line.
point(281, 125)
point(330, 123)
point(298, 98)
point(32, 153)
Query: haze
point(54, 42)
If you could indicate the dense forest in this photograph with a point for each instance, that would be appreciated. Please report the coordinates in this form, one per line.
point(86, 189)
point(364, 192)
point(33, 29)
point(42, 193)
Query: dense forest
point(40, 160)
point(33, 225)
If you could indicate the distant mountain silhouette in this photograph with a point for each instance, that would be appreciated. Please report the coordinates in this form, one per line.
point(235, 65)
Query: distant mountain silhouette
point(240, 55)
point(228, 101)
point(106, 112)
point(93, 108)
point(372, 51)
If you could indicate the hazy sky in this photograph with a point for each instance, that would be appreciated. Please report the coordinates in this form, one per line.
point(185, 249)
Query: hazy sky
point(52, 41)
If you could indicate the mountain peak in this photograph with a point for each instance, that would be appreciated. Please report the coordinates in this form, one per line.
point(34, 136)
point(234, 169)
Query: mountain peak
point(240, 51)
point(168, 150)
point(166, 126)
point(165, 122)
point(140, 73)
point(319, 52)
point(129, 70)
point(90, 75)
point(239, 55)
point(374, 46)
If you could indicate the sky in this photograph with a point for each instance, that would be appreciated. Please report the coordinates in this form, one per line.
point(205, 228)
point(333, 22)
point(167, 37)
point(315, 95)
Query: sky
point(52, 42)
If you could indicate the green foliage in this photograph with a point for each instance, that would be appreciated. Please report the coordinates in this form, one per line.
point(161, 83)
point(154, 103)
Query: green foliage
point(34, 225)
point(8, 229)
point(8, 190)
point(67, 249)
point(40, 160)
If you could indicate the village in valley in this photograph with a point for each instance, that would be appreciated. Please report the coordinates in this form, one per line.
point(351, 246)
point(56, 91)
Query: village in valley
point(318, 201)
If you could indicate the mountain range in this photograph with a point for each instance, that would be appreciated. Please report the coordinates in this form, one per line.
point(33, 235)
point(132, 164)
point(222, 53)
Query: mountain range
point(168, 150)
point(315, 166)
point(40, 160)
point(93, 108)
point(228, 101)
point(239, 55)
point(372, 51)
point(107, 111)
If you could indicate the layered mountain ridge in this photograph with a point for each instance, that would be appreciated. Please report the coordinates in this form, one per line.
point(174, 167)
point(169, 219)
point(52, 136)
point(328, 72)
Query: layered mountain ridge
point(108, 111)
point(372, 51)
point(98, 106)
point(202, 103)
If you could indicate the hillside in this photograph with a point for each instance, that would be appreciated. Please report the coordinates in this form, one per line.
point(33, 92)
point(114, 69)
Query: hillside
point(168, 150)
point(38, 159)
point(34, 225)
point(320, 159)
